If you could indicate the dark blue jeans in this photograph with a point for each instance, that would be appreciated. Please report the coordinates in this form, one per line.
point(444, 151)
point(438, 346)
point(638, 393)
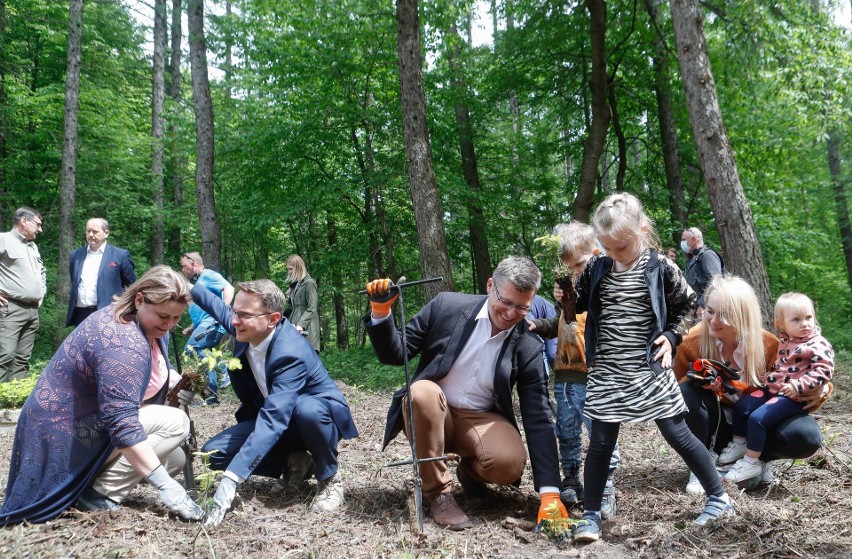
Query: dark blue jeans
point(759, 412)
point(201, 340)
point(311, 428)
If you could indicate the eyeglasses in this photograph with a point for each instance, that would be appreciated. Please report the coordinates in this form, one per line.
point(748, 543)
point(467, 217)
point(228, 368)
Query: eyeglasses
point(520, 309)
point(188, 257)
point(37, 223)
point(245, 317)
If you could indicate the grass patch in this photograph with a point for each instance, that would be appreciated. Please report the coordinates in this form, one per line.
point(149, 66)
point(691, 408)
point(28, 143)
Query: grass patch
point(360, 367)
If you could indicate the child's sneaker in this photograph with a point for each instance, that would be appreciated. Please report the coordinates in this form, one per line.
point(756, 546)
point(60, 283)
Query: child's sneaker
point(745, 469)
point(766, 476)
point(588, 529)
point(733, 452)
point(571, 491)
point(716, 508)
point(693, 486)
point(608, 507)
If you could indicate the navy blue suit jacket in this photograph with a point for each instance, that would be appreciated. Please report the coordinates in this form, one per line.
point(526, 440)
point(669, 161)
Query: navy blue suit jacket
point(116, 273)
point(293, 369)
point(438, 334)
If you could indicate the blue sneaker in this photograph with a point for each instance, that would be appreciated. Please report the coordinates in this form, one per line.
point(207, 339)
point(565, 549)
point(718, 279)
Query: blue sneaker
point(225, 380)
point(588, 529)
point(715, 509)
point(608, 507)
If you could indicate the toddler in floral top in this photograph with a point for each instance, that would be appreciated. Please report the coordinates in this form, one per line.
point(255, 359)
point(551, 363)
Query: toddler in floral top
point(804, 365)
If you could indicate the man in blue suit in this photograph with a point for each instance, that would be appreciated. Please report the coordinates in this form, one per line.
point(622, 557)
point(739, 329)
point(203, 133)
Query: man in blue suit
point(98, 271)
point(289, 403)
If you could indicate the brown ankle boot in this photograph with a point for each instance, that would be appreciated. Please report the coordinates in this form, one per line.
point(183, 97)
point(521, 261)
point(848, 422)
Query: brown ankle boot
point(446, 512)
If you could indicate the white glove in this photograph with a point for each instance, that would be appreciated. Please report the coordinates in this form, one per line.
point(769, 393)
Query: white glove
point(221, 502)
point(173, 495)
point(185, 397)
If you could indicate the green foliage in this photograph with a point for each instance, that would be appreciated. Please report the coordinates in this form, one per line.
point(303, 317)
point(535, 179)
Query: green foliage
point(14, 393)
point(360, 367)
point(206, 480)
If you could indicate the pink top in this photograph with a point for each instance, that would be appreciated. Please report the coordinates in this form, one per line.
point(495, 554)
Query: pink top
point(807, 364)
point(159, 372)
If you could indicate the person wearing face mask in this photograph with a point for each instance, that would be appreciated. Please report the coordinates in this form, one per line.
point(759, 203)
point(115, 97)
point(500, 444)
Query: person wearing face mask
point(96, 424)
point(702, 264)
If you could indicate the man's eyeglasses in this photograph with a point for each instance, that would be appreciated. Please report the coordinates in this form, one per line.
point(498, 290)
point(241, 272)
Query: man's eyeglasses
point(37, 223)
point(520, 309)
point(188, 257)
point(245, 317)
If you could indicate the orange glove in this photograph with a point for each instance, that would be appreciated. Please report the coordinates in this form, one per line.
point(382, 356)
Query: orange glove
point(549, 503)
point(381, 298)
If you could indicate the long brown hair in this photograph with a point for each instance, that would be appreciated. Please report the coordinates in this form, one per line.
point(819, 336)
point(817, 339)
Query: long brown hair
point(158, 285)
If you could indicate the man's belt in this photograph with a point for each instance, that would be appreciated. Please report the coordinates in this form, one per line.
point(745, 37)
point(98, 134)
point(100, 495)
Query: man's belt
point(24, 304)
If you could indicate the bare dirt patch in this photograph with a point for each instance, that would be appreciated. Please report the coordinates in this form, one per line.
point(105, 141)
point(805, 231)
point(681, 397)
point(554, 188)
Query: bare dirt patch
point(806, 513)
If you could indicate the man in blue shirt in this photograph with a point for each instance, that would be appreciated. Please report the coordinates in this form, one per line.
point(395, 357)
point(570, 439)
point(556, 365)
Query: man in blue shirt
point(205, 333)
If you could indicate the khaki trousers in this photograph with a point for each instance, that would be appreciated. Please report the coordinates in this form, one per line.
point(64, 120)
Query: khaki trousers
point(167, 428)
point(491, 448)
point(18, 327)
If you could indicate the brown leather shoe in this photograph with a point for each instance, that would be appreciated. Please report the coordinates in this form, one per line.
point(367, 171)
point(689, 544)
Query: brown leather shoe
point(446, 512)
point(470, 484)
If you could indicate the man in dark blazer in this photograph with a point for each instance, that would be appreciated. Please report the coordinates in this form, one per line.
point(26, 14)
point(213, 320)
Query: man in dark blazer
point(474, 350)
point(289, 403)
point(98, 271)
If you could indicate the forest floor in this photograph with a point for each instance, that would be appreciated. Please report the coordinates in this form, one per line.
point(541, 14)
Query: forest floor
point(807, 512)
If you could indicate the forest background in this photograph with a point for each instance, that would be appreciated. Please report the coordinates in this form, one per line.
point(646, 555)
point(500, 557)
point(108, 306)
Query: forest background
point(301, 147)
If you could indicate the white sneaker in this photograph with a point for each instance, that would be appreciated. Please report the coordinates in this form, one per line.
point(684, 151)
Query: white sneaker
point(330, 494)
point(744, 470)
point(733, 452)
point(693, 486)
point(766, 476)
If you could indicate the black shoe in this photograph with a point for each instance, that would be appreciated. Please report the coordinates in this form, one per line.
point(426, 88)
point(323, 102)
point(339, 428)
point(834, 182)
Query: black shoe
point(571, 492)
point(211, 401)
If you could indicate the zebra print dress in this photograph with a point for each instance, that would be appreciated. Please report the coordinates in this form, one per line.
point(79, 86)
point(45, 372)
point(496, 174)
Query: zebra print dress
point(622, 386)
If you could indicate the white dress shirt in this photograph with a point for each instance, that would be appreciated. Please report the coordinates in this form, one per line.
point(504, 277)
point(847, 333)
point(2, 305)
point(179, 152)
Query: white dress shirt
point(257, 359)
point(87, 290)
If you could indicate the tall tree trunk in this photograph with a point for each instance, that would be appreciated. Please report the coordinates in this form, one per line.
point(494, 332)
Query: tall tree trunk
point(3, 122)
point(733, 215)
point(668, 128)
point(176, 161)
point(428, 213)
point(337, 289)
point(368, 216)
point(68, 185)
point(470, 170)
point(158, 87)
point(840, 202)
point(621, 172)
point(211, 237)
point(595, 141)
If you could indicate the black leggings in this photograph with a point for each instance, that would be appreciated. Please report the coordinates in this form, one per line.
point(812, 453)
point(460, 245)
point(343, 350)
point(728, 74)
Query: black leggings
point(604, 436)
point(796, 437)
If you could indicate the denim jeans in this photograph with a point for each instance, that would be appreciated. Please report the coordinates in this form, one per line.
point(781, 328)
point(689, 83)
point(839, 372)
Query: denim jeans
point(570, 401)
point(199, 342)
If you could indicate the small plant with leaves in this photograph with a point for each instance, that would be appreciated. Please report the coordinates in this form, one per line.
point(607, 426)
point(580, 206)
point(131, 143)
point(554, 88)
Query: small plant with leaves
point(14, 393)
point(207, 480)
point(562, 275)
point(555, 525)
point(196, 368)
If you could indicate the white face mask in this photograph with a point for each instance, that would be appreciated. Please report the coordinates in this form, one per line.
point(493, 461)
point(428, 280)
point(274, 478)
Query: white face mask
point(684, 247)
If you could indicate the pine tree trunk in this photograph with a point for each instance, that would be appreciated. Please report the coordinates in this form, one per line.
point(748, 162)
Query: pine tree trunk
point(595, 141)
point(68, 184)
point(428, 212)
point(158, 88)
point(470, 169)
point(668, 128)
point(840, 202)
point(733, 215)
point(211, 240)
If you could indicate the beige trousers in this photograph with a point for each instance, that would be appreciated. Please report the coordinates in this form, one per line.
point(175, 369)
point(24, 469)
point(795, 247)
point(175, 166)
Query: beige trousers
point(167, 428)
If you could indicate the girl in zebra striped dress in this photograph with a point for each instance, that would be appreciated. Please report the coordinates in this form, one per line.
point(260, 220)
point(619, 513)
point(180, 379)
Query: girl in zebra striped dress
point(635, 299)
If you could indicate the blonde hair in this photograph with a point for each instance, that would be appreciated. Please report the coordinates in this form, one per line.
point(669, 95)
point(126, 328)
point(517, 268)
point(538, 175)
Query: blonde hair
point(739, 308)
point(299, 272)
point(792, 301)
point(159, 285)
point(575, 237)
point(622, 215)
